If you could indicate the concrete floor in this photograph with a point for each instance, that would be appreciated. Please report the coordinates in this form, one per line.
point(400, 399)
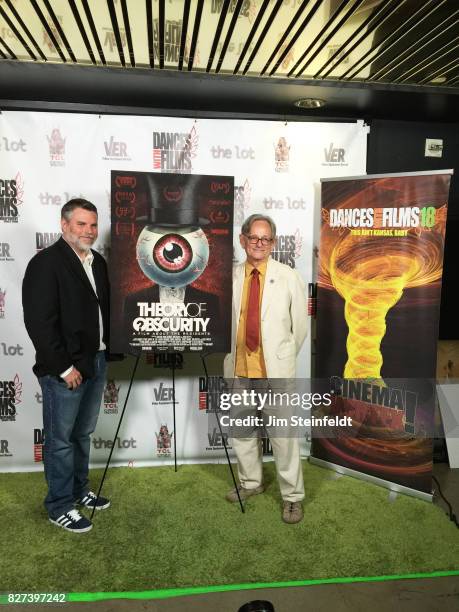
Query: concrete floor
point(416, 595)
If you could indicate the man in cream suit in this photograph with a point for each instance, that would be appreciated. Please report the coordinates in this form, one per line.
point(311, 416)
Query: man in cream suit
point(269, 327)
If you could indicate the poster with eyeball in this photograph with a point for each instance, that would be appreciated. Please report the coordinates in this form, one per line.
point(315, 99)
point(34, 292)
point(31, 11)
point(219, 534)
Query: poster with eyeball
point(171, 263)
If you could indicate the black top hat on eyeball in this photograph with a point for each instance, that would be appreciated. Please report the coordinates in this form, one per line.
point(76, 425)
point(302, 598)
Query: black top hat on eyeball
point(174, 200)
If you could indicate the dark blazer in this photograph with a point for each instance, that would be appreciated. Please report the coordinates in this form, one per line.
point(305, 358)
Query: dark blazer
point(61, 311)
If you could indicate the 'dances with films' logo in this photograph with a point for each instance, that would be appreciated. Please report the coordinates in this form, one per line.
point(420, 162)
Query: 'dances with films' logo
point(163, 441)
point(11, 196)
point(288, 248)
point(111, 394)
point(174, 151)
point(10, 397)
point(56, 145)
point(45, 239)
point(38, 441)
point(210, 389)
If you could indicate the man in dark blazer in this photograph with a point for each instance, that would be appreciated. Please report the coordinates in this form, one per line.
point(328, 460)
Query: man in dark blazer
point(65, 296)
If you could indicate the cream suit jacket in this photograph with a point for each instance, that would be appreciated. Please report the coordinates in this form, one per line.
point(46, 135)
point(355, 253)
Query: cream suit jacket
point(283, 319)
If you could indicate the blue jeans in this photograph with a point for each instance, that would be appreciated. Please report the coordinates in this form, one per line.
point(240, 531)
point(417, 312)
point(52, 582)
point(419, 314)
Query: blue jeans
point(69, 418)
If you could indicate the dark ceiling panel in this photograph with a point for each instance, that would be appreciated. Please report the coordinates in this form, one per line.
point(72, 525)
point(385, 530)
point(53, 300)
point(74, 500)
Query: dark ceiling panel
point(194, 93)
point(263, 54)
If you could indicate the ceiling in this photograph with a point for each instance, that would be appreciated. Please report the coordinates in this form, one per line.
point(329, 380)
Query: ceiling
point(363, 58)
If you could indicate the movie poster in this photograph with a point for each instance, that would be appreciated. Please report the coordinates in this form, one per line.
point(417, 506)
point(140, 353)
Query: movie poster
point(171, 262)
point(379, 285)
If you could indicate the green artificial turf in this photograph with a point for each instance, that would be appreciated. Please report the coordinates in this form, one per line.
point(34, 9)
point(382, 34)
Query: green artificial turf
point(168, 530)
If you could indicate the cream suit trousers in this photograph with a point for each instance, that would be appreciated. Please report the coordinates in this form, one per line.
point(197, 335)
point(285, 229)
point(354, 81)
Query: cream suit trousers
point(286, 452)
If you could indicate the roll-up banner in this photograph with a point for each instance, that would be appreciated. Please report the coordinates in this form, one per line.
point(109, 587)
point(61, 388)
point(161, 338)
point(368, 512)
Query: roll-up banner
point(378, 300)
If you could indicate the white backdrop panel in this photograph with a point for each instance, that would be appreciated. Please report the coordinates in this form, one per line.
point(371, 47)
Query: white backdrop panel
point(56, 156)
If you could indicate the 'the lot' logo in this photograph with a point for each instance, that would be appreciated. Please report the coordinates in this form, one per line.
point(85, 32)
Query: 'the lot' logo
point(279, 204)
point(10, 397)
point(55, 199)
point(13, 145)
point(111, 394)
point(56, 143)
point(38, 441)
point(164, 441)
point(4, 449)
point(174, 151)
point(11, 196)
point(11, 351)
point(219, 152)
point(99, 443)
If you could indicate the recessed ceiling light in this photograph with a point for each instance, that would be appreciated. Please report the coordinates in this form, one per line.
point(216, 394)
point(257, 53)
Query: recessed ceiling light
point(309, 103)
point(439, 79)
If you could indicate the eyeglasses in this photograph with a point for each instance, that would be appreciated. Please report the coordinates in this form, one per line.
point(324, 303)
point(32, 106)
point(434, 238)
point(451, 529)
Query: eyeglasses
point(256, 240)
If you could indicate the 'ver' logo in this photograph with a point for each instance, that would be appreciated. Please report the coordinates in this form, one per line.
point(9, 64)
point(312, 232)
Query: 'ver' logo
point(333, 155)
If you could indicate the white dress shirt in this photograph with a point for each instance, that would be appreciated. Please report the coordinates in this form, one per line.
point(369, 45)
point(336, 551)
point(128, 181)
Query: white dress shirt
point(87, 267)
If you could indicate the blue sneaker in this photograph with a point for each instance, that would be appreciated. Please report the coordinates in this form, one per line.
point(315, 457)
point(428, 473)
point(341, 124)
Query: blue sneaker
point(73, 521)
point(90, 499)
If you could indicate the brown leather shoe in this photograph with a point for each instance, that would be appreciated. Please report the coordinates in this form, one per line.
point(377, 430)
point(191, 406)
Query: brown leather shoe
point(292, 512)
point(231, 496)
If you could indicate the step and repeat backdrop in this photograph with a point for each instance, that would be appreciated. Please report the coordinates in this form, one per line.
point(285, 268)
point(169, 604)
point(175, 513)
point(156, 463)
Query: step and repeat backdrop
point(46, 159)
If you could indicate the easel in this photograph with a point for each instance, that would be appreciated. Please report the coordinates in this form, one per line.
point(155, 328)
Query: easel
point(172, 366)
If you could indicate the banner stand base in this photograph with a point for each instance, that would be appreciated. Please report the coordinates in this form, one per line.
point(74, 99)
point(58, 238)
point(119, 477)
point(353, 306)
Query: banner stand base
point(392, 486)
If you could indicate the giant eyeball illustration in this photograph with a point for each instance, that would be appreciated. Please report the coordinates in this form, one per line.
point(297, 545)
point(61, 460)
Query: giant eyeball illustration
point(172, 258)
